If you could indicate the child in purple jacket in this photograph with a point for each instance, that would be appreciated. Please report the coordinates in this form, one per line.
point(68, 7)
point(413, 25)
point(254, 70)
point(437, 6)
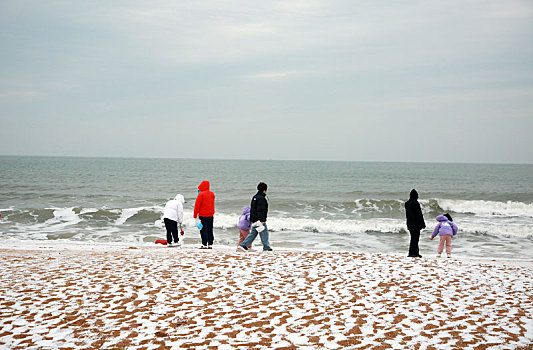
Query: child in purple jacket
point(446, 229)
point(244, 226)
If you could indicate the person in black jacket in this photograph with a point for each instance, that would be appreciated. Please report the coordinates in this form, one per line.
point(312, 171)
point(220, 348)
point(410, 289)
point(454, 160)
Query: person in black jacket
point(258, 217)
point(415, 223)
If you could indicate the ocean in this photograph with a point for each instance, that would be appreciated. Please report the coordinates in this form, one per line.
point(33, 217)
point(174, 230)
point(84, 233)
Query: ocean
point(313, 205)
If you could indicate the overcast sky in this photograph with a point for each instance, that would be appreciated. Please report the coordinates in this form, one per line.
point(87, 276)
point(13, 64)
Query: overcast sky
point(448, 81)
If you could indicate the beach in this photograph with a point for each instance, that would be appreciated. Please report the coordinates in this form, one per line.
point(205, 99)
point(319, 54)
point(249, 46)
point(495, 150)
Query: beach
point(61, 295)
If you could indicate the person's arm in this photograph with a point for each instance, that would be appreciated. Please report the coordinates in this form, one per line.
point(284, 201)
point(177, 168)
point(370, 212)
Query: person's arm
point(435, 231)
point(197, 205)
point(420, 216)
point(253, 210)
point(454, 228)
point(180, 213)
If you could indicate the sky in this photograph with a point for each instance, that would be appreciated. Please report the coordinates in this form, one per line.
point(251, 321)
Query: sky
point(413, 81)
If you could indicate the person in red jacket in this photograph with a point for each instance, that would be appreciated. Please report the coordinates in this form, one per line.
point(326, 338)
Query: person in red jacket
point(204, 208)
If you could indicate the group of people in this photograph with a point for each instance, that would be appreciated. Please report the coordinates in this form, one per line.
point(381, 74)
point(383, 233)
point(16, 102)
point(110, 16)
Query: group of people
point(252, 222)
point(446, 228)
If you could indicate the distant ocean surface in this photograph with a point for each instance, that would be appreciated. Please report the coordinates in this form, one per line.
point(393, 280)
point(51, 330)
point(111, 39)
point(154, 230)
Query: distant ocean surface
point(355, 206)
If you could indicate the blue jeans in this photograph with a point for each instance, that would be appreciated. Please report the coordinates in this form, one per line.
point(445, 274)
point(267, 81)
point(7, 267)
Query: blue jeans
point(253, 234)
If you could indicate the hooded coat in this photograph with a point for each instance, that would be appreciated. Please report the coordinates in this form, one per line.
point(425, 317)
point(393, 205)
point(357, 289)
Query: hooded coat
point(205, 202)
point(445, 227)
point(413, 213)
point(174, 209)
point(244, 219)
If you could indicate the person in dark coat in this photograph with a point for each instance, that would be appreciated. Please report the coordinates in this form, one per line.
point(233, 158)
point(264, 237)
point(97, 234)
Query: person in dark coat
point(415, 223)
point(258, 217)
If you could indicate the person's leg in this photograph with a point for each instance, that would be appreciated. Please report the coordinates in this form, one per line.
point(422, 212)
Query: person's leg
point(169, 231)
point(242, 236)
point(441, 245)
point(413, 244)
point(174, 229)
point(417, 239)
point(264, 238)
point(249, 239)
point(203, 231)
point(410, 243)
point(210, 235)
point(449, 245)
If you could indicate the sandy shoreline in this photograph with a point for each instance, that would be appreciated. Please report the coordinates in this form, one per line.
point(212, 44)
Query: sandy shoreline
point(96, 296)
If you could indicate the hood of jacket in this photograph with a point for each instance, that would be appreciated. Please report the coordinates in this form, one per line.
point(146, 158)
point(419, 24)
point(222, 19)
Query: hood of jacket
point(180, 198)
point(204, 186)
point(246, 210)
point(413, 194)
point(441, 218)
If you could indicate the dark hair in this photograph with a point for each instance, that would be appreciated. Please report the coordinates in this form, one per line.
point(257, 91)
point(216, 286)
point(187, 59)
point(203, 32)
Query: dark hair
point(262, 187)
point(448, 216)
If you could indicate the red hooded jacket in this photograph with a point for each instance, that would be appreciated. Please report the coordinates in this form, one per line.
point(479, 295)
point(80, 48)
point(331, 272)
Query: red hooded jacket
point(205, 202)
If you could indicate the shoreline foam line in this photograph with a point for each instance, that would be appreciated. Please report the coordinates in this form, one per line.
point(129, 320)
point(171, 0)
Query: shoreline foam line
point(97, 296)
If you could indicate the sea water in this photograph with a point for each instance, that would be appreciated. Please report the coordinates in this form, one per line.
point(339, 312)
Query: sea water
point(355, 206)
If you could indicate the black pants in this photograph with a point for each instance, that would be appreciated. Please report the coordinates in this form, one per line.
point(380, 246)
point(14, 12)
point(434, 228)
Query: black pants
point(172, 230)
point(413, 245)
point(207, 230)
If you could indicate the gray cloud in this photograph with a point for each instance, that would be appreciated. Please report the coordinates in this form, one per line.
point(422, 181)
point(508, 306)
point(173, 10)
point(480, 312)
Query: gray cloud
point(341, 80)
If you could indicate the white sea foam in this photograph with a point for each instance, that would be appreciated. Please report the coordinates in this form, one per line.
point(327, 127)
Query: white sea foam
point(367, 204)
point(324, 231)
point(88, 211)
point(484, 208)
point(487, 208)
point(383, 225)
point(496, 228)
point(63, 217)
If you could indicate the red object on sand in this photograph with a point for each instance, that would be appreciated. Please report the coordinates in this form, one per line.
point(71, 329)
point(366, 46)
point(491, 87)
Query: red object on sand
point(161, 241)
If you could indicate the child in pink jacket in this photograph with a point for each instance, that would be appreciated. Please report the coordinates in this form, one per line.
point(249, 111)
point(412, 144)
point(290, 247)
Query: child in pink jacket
point(446, 229)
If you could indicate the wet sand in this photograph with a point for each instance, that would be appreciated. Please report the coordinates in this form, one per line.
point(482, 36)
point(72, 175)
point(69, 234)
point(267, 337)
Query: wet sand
point(87, 296)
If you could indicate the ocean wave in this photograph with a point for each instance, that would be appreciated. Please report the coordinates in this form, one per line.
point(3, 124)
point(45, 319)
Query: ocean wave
point(378, 205)
point(139, 215)
point(477, 217)
point(378, 225)
point(487, 208)
point(368, 207)
point(438, 205)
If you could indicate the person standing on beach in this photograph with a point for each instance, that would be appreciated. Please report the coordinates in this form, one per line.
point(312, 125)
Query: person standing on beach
point(258, 215)
point(244, 225)
point(415, 223)
point(173, 216)
point(204, 208)
point(446, 229)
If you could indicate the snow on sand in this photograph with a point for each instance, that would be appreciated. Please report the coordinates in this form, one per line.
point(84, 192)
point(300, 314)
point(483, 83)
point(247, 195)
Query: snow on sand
point(157, 297)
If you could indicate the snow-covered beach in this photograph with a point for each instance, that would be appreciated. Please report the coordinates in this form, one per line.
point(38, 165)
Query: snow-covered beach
point(56, 295)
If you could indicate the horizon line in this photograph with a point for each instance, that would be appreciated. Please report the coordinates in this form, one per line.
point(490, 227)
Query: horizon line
point(258, 159)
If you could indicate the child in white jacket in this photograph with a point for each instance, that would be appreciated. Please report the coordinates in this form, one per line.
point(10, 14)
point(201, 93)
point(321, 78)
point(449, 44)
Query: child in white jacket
point(173, 216)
